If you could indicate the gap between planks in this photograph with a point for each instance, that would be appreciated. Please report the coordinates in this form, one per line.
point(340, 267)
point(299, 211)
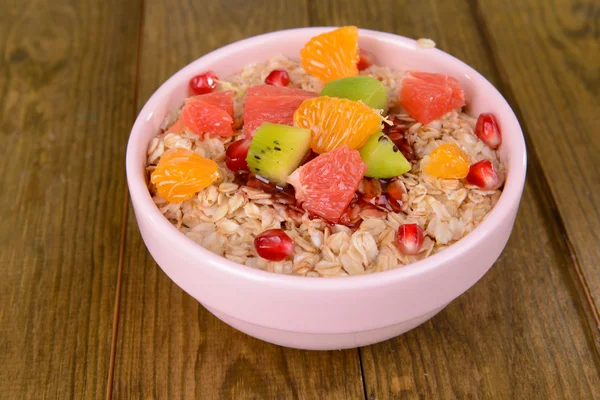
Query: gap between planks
point(115, 327)
point(534, 161)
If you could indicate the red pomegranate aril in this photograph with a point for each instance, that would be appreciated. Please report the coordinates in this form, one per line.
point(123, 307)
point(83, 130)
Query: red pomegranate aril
point(278, 77)
point(365, 59)
point(235, 156)
point(410, 239)
point(274, 245)
point(204, 83)
point(487, 130)
point(396, 133)
point(483, 175)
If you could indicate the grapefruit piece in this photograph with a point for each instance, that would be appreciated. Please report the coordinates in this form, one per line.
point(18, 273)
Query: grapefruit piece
point(332, 55)
point(426, 96)
point(336, 122)
point(275, 104)
point(210, 113)
point(326, 185)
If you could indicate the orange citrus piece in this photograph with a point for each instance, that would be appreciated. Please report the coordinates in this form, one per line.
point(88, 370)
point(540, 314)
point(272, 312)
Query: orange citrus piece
point(336, 122)
point(448, 161)
point(181, 173)
point(332, 55)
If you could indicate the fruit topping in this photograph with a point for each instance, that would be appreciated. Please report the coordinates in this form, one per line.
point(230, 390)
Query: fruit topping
point(409, 239)
point(488, 131)
point(277, 150)
point(276, 104)
point(483, 175)
point(326, 185)
point(208, 113)
point(365, 59)
point(447, 161)
point(181, 173)
point(332, 55)
point(337, 122)
point(396, 132)
point(426, 96)
point(235, 156)
point(203, 83)
point(278, 77)
point(383, 158)
point(359, 88)
point(274, 245)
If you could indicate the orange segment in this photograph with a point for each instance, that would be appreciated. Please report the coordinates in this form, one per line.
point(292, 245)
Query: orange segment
point(181, 173)
point(448, 161)
point(332, 55)
point(336, 122)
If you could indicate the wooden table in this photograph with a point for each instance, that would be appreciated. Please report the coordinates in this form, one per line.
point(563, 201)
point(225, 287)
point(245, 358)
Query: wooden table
point(85, 313)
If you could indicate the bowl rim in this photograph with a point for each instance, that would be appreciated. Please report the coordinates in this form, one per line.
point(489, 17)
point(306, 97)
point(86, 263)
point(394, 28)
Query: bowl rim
point(143, 202)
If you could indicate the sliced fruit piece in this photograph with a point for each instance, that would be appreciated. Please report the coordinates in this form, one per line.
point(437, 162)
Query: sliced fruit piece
point(483, 175)
point(181, 173)
point(359, 88)
point(488, 131)
point(277, 150)
point(337, 122)
point(365, 59)
point(326, 185)
point(235, 156)
point(396, 132)
point(383, 158)
point(222, 100)
point(274, 245)
point(203, 83)
point(276, 104)
point(448, 161)
point(426, 96)
point(332, 55)
point(278, 77)
point(207, 113)
point(409, 239)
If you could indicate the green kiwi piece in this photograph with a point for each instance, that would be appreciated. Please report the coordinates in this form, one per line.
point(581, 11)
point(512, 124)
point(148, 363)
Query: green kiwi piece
point(277, 150)
point(359, 88)
point(383, 158)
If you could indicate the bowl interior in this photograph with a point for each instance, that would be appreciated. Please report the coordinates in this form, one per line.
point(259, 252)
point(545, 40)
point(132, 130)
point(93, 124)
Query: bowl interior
point(390, 50)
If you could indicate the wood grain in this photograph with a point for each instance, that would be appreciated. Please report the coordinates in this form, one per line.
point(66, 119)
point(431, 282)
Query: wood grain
point(519, 333)
point(168, 345)
point(66, 88)
point(548, 53)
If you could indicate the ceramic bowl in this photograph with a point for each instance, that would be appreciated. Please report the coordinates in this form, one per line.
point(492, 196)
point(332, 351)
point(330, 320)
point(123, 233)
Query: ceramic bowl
point(326, 313)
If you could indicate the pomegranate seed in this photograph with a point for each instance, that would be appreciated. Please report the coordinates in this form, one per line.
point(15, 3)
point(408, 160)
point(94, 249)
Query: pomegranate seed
point(396, 134)
point(274, 245)
point(365, 59)
point(409, 239)
point(483, 175)
point(204, 83)
point(278, 77)
point(235, 156)
point(488, 131)
point(394, 192)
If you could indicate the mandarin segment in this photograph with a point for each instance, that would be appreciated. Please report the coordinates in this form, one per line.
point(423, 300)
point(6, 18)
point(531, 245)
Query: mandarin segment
point(181, 173)
point(332, 55)
point(337, 122)
point(447, 161)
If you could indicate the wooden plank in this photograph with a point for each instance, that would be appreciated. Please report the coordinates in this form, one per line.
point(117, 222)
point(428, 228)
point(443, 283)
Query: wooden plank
point(66, 89)
point(168, 345)
point(517, 333)
point(551, 66)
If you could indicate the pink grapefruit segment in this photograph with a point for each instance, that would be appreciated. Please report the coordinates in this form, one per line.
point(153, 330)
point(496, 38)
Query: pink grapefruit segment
point(326, 185)
point(426, 96)
point(275, 104)
point(210, 113)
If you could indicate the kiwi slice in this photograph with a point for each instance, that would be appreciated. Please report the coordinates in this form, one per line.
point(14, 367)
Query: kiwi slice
point(383, 158)
point(277, 150)
point(359, 88)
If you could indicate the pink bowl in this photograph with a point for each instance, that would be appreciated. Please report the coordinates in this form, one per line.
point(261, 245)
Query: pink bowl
point(333, 313)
